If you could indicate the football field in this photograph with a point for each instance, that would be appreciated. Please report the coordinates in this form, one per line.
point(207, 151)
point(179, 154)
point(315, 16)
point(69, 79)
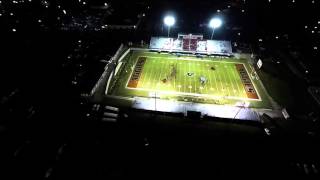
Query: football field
point(192, 76)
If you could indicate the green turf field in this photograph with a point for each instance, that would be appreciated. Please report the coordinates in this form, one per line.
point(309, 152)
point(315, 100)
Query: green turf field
point(219, 78)
point(187, 78)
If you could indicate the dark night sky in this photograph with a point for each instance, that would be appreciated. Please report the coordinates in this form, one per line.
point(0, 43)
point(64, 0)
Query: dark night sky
point(54, 51)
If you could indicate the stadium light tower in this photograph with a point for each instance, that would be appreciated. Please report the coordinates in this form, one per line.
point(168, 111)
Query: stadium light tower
point(169, 21)
point(214, 24)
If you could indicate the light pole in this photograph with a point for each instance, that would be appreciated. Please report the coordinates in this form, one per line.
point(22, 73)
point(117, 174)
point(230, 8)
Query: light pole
point(169, 21)
point(214, 23)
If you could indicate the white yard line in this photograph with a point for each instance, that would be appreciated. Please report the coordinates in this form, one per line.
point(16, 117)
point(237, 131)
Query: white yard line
point(204, 69)
point(175, 76)
point(230, 80)
point(225, 78)
point(210, 79)
point(167, 68)
point(145, 77)
point(212, 82)
point(195, 78)
point(159, 79)
point(184, 78)
point(189, 78)
point(153, 76)
point(219, 77)
point(240, 90)
point(215, 78)
point(148, 78)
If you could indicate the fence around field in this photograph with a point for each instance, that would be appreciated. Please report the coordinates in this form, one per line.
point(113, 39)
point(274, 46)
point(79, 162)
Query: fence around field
point(109, 71)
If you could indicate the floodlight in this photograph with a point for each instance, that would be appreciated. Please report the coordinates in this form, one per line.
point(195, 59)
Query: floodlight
point(215, 23)
point(169, 20)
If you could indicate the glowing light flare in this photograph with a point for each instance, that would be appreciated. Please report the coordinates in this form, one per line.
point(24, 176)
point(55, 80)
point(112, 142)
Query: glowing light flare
point(215, 23)
point(169, 20)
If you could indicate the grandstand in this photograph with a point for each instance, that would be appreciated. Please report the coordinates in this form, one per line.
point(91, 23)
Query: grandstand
point(189, 43)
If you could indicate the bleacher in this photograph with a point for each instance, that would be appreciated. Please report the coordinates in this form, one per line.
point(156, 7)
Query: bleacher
point(177, 44)
point(202, 46)
point(219, 47)
point(161, 43)
point(186, 44)
point(191, 44)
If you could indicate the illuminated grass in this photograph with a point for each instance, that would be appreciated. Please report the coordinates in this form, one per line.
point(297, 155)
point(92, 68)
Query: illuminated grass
point(223, 81)
point(223, 84)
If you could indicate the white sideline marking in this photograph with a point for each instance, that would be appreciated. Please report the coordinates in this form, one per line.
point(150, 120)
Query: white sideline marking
point(194, 94)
